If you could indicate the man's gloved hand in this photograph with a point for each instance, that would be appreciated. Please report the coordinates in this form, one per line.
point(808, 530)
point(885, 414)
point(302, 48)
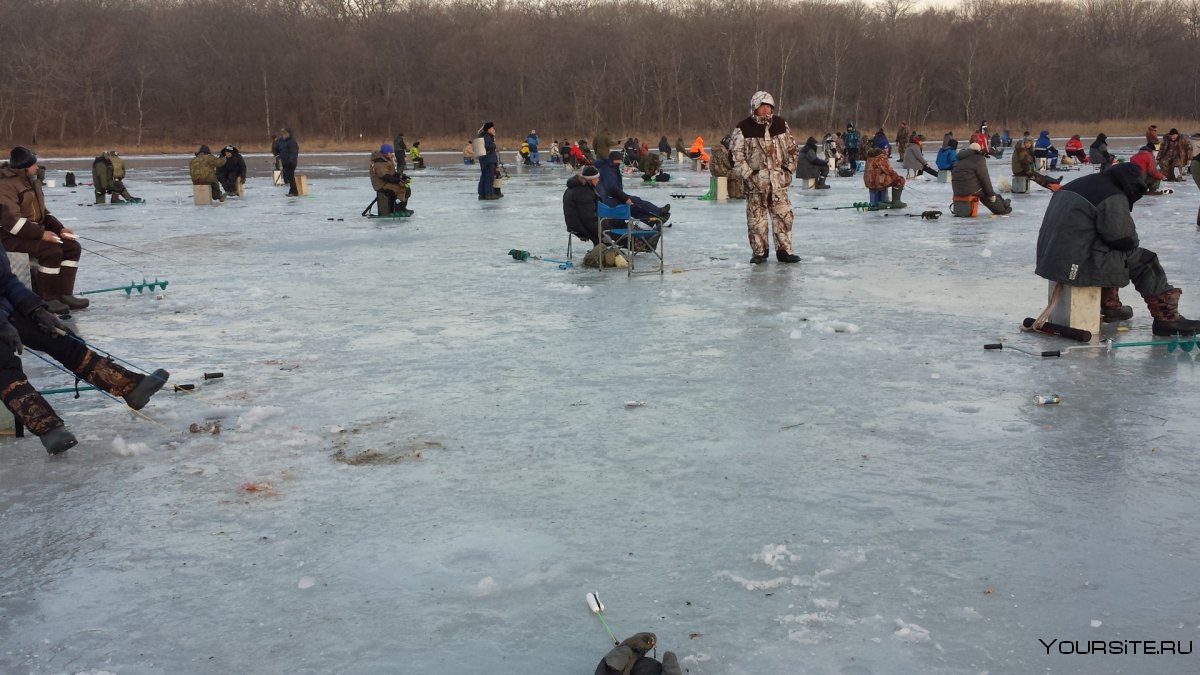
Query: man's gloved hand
point(10, 339)
point(48, 322)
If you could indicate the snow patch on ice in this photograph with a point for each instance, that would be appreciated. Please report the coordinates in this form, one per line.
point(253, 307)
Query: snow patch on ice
point(306, 582)
point(126, 449)
point(673, 294)
point(486, 586)
point(569, 289)
point(698, 657)
point(986, 253)
point(826, 603)
point(1096, 623)
point(837, 274)
point(774, 555)
point(257, 414)
point(910, 632)
point(760, 585)
point(834, 326)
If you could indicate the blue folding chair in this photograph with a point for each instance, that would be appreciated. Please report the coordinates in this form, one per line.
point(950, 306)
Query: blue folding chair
point(618, 223)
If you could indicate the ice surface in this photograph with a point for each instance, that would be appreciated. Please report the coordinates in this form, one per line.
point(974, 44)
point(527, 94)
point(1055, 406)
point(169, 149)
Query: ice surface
point(829, 474)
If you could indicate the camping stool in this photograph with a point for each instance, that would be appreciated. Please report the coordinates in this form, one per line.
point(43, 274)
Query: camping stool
point(1075, 306)
point(1020, 185)
point(944, 175)
point(808, 183)
point(965, 207)
point(697, 164)
point(301, 185)
point(277, 176)
point(201, 195)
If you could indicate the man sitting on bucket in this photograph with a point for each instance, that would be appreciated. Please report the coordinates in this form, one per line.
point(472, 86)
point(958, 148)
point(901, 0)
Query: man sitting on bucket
point(1088, 238)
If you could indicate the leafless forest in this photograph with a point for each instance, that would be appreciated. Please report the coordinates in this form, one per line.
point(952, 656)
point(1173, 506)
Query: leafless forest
point(136, 72)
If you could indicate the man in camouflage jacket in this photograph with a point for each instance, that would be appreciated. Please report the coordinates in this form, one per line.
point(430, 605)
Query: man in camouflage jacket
point(764, 156)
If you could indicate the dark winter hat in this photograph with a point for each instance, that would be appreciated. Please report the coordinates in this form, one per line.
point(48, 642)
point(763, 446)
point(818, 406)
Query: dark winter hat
point(386, 149)
point(954, 143)
point(230, 148)
point(590, 172)
point(488, 125)
point(1173, 131)
point(614, 154)
point(21, 157)
point(1147, 147)
point(203, 150)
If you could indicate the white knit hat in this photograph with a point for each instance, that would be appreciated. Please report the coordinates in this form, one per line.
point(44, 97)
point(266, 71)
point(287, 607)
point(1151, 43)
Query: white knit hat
point(976, 147)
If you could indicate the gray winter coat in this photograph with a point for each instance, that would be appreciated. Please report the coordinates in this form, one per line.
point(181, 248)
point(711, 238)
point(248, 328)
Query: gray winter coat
point(914, 158)
point(1088, 234)
point(970, 175)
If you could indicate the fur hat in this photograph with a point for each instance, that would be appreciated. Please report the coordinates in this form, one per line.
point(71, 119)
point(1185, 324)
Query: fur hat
point(21, 157)
point(589, 172)
point(761, 97)
point(976, 147)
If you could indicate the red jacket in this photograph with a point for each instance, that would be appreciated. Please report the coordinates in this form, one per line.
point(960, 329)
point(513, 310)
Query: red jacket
point(1145, 159)
point(1074, 144)
point(982, 139)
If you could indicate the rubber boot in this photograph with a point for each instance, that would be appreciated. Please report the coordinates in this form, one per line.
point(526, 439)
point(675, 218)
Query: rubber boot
point(1111, 309)
point(66, 286)
point(116, 199)
point(135, 388)
point(1164, 307)
point(896, 203)
point(130, 198)
point(785, 257)
point(28, 406)
point(99, 196)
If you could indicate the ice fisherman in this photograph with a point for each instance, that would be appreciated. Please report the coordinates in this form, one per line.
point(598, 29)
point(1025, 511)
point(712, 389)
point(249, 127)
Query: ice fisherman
point(289, 157)
point(914, 158)
point(414, 153)
point(879, 175)
point(970, 179)
point(1098, 152)
point(108, 178)
point(232, 174)
point(532, 139)
point(764, 154)
point(26, 226)
point(809, 165)
point(852, 138)
point(579, 205)
point(612, 192)
point(1088, 238)
point(203, 171)
point(391, 186)
point(1174, 153)
point(488, 162)
point(721, 166)
point(1024, 163)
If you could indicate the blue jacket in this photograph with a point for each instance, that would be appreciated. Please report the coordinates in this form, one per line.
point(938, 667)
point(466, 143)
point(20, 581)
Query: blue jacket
point(946, 158)
point(1043, 140)
point(289, 150)
point(611, 187)
point(489, 145)
point(851, 138)
point(532, 140)
point(14, 295)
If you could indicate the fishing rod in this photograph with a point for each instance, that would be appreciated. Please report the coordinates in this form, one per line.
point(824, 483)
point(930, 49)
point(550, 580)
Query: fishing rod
point(112, 260)
point(134, 250)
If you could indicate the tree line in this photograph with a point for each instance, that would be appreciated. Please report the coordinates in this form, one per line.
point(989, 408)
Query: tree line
point(128, 72)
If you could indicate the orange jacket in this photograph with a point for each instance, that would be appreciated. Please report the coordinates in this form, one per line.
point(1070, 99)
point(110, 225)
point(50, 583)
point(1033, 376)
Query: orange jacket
point(698, 147)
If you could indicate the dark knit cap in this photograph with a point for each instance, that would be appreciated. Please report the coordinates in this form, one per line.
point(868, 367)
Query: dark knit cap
point(590, 172)
point(614, 154)
point(203, 150)
point(21, 157)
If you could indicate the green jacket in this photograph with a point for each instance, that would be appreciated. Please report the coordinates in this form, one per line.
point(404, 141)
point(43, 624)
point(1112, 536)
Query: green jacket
point(203, 168)
point(102, 173)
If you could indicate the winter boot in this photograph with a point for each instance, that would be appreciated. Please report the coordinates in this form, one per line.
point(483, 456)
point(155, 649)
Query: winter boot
point(1164, 307)
point(785, 257)
point(130, 198)
point(821, 184)
point(896, 203)
point(28, 406)
point(57, 306)
point(102, 372)
point(115, 199)
point(1111, 309)
point(66, 285)
point(99, 196)
point(58, 440)
point(758, 258)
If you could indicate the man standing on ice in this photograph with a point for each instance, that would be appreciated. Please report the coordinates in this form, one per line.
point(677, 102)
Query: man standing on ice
point(764, 154)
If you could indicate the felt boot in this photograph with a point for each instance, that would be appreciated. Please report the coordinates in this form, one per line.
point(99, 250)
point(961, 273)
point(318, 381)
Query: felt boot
point(1164, 307)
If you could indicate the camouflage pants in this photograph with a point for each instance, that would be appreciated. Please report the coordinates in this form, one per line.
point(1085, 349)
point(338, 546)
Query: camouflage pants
point(760, 205)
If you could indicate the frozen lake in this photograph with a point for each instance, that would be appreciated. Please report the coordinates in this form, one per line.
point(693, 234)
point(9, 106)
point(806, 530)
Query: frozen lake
point(828, 474)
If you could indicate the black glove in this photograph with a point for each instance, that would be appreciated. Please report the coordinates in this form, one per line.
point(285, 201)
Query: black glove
point(10, 339)
point(48, 322)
